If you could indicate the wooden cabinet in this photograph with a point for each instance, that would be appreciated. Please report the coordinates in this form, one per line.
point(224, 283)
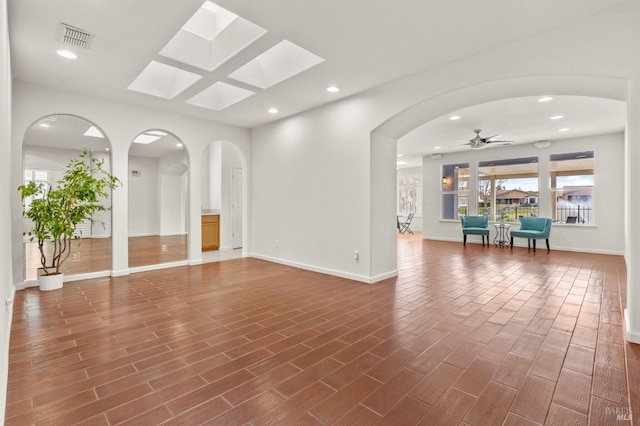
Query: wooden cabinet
point(210, 232)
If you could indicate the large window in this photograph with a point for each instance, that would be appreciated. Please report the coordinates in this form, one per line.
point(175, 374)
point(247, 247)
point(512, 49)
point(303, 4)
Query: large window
point(455, 190)
point(571, 182)
point(409, 195)
point(508, 189)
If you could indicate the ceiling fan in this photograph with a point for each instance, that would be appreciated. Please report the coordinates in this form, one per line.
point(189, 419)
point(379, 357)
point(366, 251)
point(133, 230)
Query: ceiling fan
point(478, 141)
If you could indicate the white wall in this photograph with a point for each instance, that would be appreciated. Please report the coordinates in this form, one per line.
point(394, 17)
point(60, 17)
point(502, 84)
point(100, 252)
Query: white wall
point(230, 160)
point(606, 235)
point(7, 287)
point(215, 176)
point(121, 123)
point(144, 197)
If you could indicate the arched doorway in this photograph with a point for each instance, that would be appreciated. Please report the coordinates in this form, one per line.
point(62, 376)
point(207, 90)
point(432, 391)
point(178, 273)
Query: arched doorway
point(48, 146)
point(223, 192)
point(385, 137)
point(158, 199)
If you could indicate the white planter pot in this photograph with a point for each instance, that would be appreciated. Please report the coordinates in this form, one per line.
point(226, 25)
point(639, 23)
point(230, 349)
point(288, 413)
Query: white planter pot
point(50, 282)
point(41, 271)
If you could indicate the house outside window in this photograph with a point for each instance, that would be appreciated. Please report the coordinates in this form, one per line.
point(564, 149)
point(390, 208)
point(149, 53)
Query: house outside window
point(571, 183)
point(508, 189)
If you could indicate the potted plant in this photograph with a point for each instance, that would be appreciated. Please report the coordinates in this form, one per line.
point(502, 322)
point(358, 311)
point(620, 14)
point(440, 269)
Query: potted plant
point(56, 211)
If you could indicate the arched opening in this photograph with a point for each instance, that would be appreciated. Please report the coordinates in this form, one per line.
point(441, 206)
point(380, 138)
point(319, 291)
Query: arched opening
point(384, 141)
point(223, 194)
point(48, 145)
point(158, 199)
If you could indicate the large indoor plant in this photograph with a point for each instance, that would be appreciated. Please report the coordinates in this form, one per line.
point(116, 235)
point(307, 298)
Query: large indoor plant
point(56, 211)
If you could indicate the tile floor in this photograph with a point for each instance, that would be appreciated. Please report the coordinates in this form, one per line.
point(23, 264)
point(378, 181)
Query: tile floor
point(465, 335)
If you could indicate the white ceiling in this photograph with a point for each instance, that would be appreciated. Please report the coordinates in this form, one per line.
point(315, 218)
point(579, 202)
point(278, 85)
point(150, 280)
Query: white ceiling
point(521, 120)
point(363, 43)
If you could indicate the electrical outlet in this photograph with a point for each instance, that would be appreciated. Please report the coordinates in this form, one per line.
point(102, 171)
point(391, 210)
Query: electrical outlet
point(356, 255)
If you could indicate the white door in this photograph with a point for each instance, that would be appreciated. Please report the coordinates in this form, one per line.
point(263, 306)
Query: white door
point(236, 207)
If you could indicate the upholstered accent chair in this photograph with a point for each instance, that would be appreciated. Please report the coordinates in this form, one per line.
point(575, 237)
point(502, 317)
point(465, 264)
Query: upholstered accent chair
point(475, 225)
point(533, 228)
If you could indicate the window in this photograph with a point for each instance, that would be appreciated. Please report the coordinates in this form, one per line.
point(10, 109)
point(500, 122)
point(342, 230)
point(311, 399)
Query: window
point(571, 182)
point(455, 190)
point(39, 177)
point(409, 195)
point(508, 189)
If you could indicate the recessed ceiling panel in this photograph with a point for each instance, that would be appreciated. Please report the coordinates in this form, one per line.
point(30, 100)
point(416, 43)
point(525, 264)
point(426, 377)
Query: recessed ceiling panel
point(220, 96)
point(282, 61)
point(211, 37)
point(163, 80)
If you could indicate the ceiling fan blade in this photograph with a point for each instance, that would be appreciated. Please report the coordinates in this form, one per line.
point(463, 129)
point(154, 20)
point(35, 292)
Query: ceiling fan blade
point(490, 137)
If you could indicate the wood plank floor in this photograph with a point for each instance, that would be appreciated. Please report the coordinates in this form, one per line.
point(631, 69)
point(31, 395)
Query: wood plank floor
point(94, 254)
point(464, 336)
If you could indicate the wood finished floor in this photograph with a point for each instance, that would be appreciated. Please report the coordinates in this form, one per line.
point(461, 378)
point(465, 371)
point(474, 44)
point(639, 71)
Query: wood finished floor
point(465, 335)
point(94, 254)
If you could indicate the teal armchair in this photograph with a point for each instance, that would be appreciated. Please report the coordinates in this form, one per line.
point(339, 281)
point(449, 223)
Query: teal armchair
point(533, 228)
point(475, 225)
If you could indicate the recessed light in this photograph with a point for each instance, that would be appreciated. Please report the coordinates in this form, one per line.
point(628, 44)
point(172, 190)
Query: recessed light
point(399, 155)
point(43, 125)
point(401, 163)
point(556, 117)
point(67, 54)
point(179, 145)
point(273, 111)
point(455, 117)
point(545, 99)
point(436, 147)
point(564, 129)
point(333, 89)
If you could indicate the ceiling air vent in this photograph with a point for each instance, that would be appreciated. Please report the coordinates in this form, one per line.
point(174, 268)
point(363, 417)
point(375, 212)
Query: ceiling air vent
point(75, 36)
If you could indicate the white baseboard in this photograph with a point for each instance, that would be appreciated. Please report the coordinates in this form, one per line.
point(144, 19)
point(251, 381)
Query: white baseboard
point(158, 266)
point(120, 273)
point(319, 269)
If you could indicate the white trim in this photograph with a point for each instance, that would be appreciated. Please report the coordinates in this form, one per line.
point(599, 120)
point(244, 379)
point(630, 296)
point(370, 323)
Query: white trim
point(341, 274)
point(158, 266)
point(120, 273)
point(195, 262)
point(632, 336)
point(87, 276)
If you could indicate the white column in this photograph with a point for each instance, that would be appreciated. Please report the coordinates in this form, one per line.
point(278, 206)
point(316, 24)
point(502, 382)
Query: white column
point(632, 208)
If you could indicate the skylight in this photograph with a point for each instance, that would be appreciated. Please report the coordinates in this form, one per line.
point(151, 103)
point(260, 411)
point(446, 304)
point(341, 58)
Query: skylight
point(163, 80)
point(145, 138)
point(282, 61)
point(211, 37)
point(220, 96)
point(94, 132)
